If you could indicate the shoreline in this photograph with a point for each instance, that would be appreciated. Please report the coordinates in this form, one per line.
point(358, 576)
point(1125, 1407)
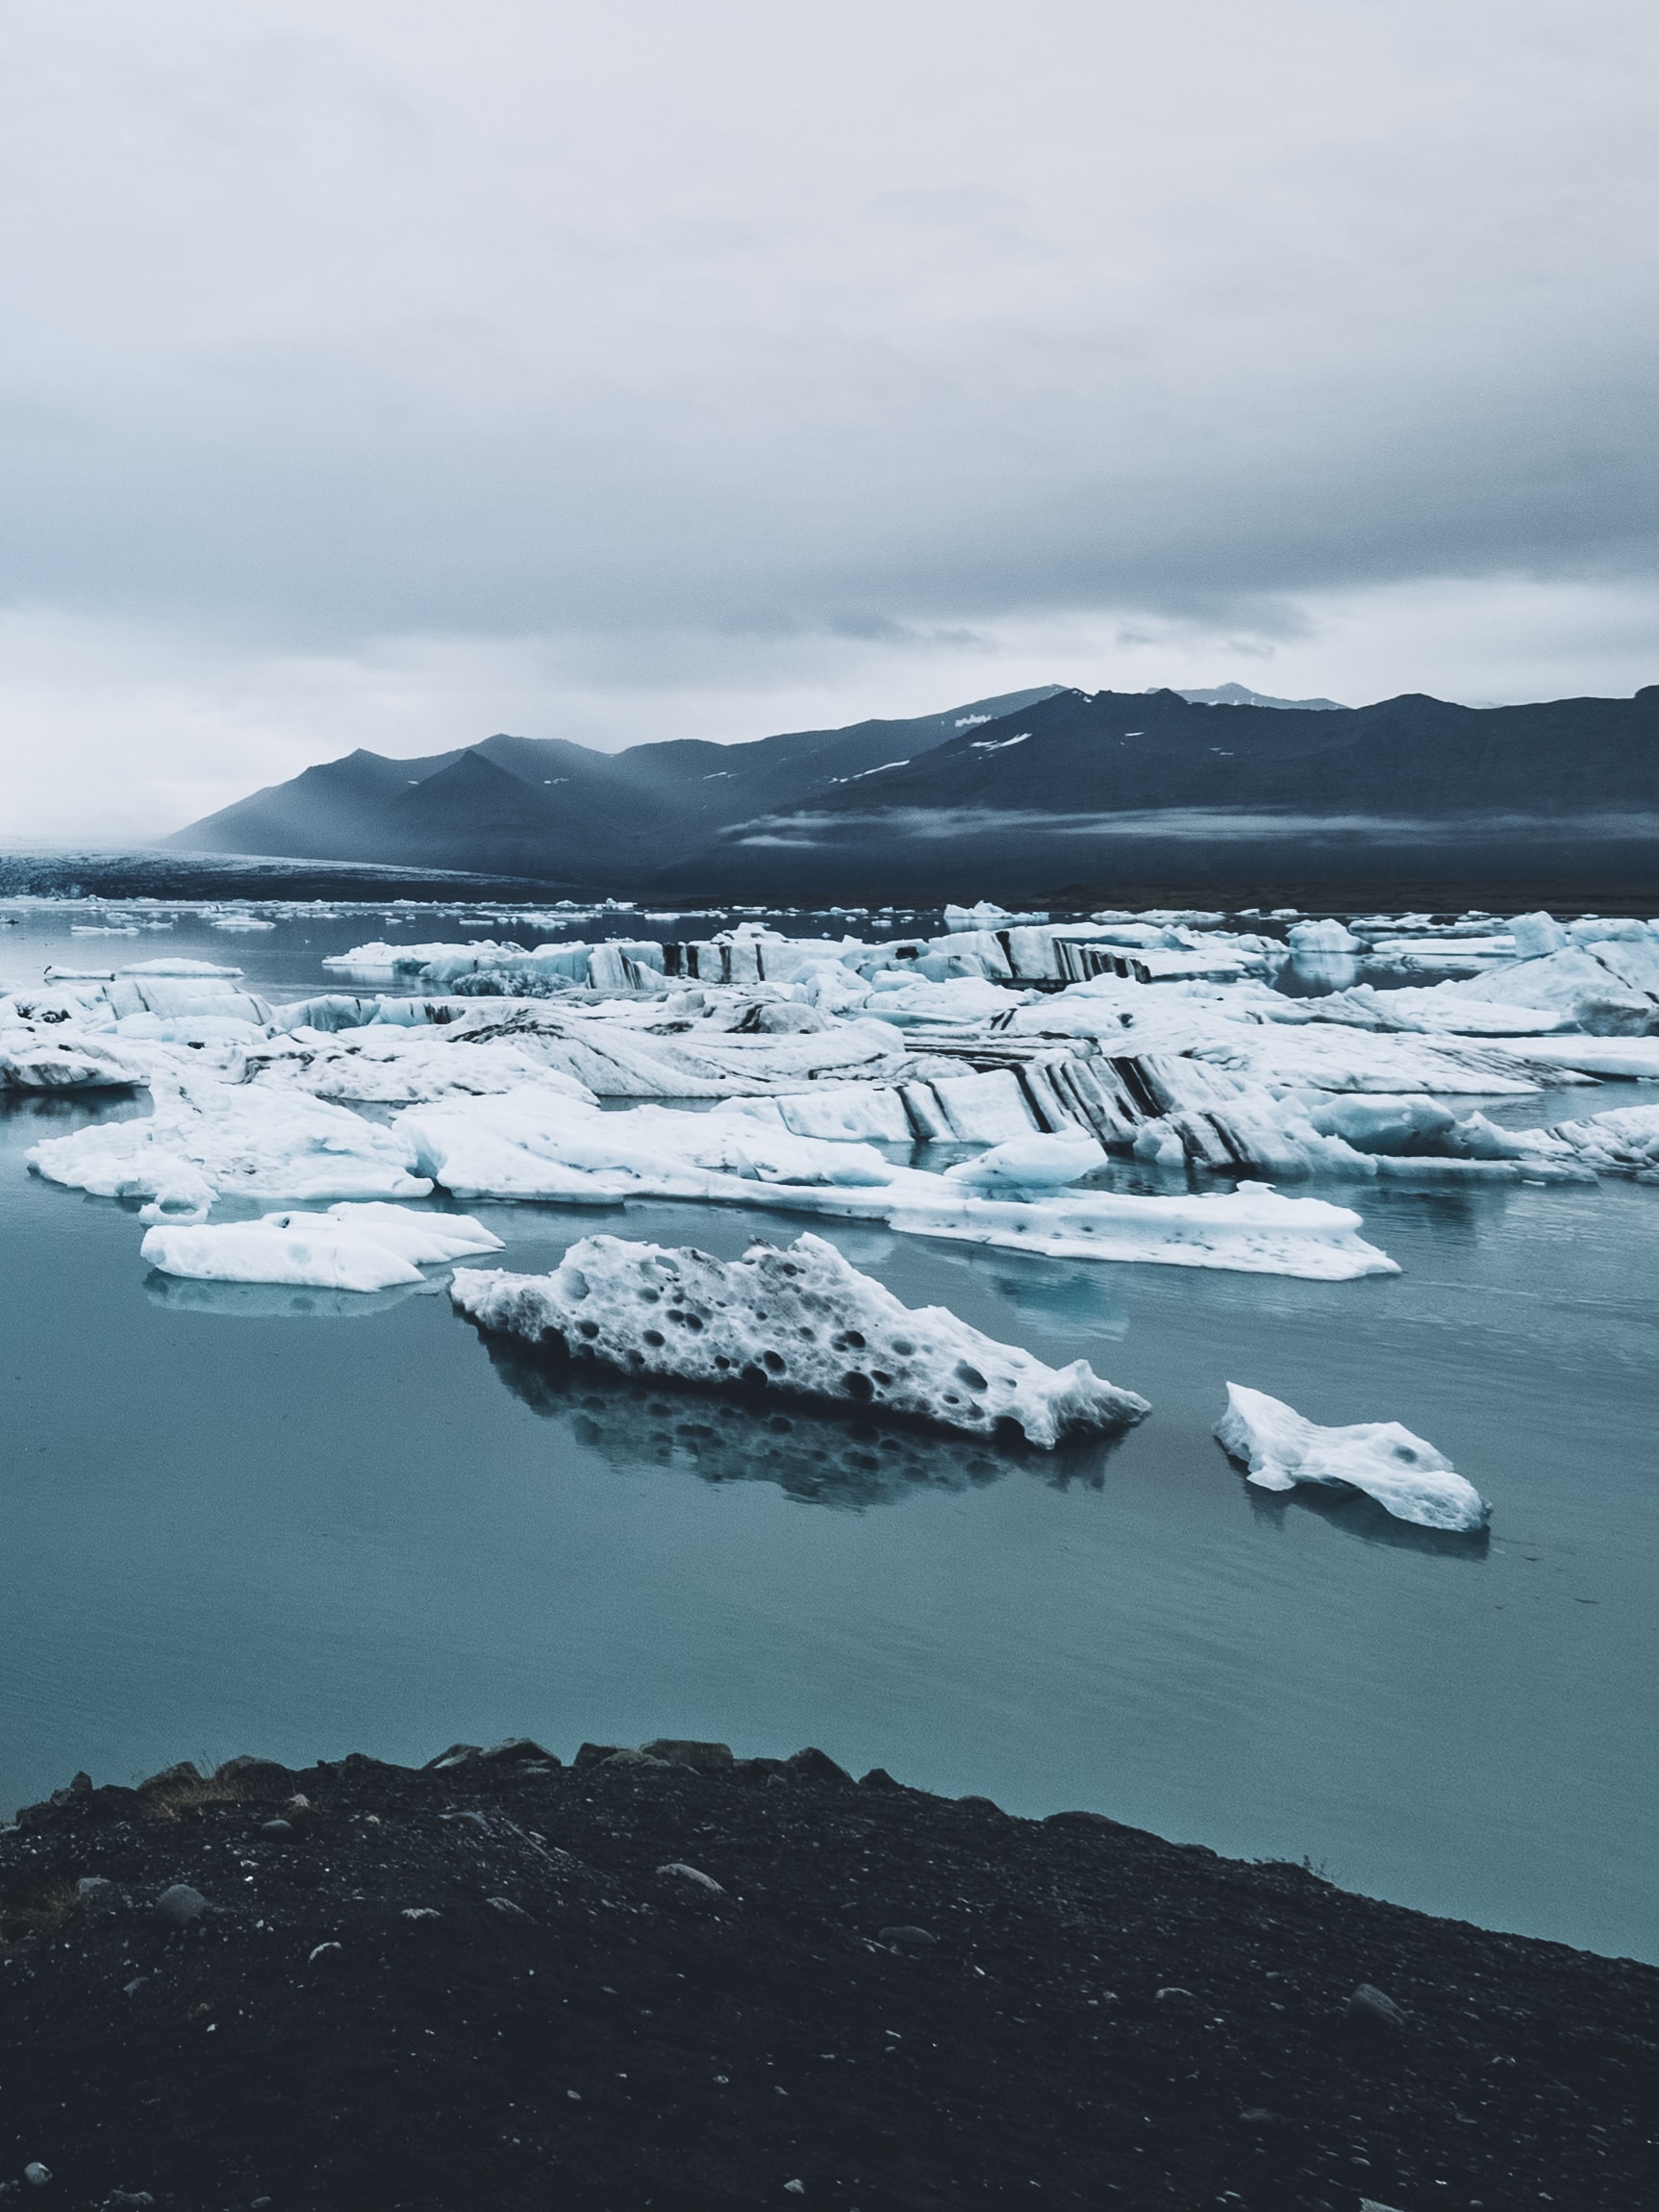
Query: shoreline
point(666, 1977)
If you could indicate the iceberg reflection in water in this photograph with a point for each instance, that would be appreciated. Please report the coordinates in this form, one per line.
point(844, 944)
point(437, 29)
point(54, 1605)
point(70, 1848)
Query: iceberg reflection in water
point(1355, 1515)
point(275, 1301)
point(816, 1455)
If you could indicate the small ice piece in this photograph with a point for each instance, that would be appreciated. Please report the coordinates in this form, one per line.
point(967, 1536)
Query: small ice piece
point(363, 1248)
point(65, 1059)
point(1628, 1138)
point(427, 1239)
point(179, 967)
point(1537, 936)
point(217, 1139)
point(1381, 1121)
point(1405, 1475)
point(801, 1321)
point(1322, 937)
point(1032, 1163)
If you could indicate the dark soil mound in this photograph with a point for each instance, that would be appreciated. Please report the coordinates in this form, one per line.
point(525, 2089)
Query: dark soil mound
point(503, 1983)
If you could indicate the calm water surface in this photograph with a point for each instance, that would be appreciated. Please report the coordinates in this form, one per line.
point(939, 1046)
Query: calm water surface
point(244, 1518)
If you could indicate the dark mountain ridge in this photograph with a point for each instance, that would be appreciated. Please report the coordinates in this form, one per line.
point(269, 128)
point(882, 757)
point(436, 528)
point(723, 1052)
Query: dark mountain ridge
point(559, 811)
point(1012, 797)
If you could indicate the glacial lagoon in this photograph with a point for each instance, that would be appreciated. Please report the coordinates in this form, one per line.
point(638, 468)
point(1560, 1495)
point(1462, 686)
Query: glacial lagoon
point(240, 1517)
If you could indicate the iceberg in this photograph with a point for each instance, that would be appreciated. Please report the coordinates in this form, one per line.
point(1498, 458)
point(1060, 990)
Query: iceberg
point(1626, 1139)
point(1633, 1058)
point(846, 1113)
point(71, 1060)
point(801, 1321)
point(217, 1139)
point(1328, 936)
point(387, 1065)
point(1030, 1163)
point(1610, 989)
point(525, 1146)
point(1252, 1230)
point(179, 967)
point(1406, 1476)
point(349, 1247)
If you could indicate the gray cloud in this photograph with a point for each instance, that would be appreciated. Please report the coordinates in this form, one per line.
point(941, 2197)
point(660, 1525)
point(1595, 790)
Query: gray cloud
point(856, 337)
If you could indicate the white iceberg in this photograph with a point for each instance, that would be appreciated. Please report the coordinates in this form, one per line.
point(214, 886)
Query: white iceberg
point(385, 1065)
point(801, 1321)
point(524, 1145)
point(179, 967)
point(1030, 1163)
point(1626, 1139)
point(847, 1113)
point(1611, 989)
point(67, 1058)
point(1252, 1230)
point(349, 1247)
point(1635, 1058)
point(1406, 1476)
point(1327, 936)
point(217, 1139)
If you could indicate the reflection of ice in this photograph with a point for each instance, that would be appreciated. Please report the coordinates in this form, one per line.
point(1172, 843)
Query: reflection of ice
point(1047, 1289)
point(274, 1301)
point(1318, 972)
point(821, 1458)
point(1360, 1516)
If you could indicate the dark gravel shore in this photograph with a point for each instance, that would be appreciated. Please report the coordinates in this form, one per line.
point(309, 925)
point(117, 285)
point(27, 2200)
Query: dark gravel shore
point(500, 1982)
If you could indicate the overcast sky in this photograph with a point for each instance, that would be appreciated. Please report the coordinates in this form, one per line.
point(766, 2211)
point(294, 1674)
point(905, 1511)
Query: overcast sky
point(387, 372)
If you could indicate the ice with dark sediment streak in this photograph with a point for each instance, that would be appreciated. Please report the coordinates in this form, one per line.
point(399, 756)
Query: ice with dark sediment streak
point(800, 1320)
point(524, 1146)
point(1406, 1476)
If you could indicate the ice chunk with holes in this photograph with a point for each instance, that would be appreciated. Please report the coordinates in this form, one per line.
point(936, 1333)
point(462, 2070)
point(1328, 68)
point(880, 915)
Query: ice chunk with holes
point(1405, 1475)
point(363, 1248)
point(801, 1321)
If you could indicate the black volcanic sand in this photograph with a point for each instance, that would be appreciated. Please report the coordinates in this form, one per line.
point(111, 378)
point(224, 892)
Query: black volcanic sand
point(485, 1985)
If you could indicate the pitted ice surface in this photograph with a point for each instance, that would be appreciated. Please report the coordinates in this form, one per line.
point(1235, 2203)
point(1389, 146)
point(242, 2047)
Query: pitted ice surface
point(799, 1319)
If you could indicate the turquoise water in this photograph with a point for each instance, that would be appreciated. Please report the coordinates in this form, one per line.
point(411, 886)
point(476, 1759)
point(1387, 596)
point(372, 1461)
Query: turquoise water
point(250, 1520)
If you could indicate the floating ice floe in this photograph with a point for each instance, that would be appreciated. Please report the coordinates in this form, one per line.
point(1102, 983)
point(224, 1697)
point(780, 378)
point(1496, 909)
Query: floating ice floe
point(1328, 936)
point(1610, 988)
point(1633, 1058)
point(1626, 1141)
point(1438, 1008)
point(383, 1065)
point(1406, 1476)
point(39, 1058)
point(800, 1320)
point(525, 1146)
point(1030, 1163)
point(179, 967)
point(217, 1139)
point(349, 1247)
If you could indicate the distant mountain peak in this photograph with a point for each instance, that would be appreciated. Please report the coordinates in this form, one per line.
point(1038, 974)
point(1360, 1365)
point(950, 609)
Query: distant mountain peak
point(1237, 695)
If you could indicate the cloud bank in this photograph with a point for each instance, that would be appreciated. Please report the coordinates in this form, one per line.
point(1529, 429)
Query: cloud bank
point(391, 374)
